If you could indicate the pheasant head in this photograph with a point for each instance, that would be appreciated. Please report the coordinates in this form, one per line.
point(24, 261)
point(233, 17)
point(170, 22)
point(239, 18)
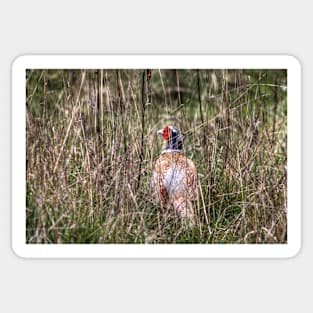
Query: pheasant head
point(173, 137)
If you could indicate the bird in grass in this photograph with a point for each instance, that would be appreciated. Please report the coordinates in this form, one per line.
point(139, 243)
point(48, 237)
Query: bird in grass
point(174, 177)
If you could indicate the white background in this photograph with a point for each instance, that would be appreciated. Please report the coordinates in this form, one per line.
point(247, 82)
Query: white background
point(155, 285)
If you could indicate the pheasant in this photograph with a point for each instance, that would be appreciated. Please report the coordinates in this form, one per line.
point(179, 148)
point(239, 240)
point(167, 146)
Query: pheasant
point(174, 177)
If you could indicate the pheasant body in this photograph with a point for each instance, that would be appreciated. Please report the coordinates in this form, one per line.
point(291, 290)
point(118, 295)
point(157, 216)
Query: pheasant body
point(175, 176)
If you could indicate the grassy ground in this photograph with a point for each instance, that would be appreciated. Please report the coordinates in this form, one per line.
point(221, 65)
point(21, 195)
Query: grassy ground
point(91, 145)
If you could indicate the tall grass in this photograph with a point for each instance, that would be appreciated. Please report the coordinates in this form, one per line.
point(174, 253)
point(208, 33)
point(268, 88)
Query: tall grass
point(92, 143)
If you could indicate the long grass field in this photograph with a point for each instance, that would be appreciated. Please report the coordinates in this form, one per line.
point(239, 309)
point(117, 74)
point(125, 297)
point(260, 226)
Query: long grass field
point(91, 142)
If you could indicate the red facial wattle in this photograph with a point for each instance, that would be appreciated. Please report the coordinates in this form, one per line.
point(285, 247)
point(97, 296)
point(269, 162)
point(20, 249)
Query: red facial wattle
point(166, 133)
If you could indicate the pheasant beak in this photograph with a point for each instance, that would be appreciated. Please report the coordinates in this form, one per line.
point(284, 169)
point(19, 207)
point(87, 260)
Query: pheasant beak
point(160, 132)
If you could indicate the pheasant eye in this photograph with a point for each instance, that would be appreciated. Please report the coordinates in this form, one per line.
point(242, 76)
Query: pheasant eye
point(165, 132)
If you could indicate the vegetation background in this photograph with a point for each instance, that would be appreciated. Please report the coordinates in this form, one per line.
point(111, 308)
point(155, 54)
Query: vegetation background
point(92, 143)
